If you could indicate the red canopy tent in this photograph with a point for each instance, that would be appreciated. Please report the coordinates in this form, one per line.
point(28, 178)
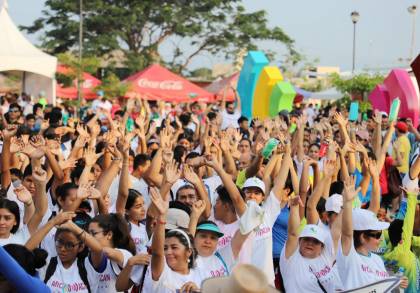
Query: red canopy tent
point(158, 83)
point(88, 86)
point(224, 86)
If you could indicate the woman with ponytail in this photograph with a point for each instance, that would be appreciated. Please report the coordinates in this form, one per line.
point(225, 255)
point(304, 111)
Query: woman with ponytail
point(112, 232)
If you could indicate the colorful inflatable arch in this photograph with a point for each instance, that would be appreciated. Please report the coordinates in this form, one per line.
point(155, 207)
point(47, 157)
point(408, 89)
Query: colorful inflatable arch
point(262, 89)
point(397, 84)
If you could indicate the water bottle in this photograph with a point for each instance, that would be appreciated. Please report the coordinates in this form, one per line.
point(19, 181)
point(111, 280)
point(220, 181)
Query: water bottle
point(395, 109)
point(269, 147)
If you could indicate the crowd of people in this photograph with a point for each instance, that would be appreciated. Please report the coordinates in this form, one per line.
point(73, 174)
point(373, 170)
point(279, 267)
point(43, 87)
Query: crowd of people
point(145, 196)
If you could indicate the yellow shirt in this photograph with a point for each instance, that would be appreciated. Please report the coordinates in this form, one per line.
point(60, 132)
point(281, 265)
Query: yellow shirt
point(404, 148)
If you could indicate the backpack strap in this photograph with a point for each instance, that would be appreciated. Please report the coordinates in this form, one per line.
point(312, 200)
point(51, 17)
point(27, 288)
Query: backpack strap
point(82, 272)
point(217, 254)
point(52, 266)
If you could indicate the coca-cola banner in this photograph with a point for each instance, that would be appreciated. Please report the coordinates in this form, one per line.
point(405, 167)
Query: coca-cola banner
point(164, 85)
point(158, 83)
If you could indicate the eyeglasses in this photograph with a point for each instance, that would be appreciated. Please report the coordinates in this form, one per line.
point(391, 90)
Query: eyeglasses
point(14, 110)
point(376, 235)
point(93, 233)
point(66, 245)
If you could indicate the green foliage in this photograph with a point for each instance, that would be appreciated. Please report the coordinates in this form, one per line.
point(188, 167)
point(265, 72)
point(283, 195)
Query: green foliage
point(140, 28)
point(359, 84)
point(202, 72)
point(112, 86)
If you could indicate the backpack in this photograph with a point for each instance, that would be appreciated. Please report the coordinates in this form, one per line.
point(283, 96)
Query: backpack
point(52, 266)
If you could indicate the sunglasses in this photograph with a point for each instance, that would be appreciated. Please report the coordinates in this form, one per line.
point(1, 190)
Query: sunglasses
point(14, 110)
point(376, 235)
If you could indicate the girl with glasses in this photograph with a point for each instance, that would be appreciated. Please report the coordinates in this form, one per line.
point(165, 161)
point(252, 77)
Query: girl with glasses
point(73, 269)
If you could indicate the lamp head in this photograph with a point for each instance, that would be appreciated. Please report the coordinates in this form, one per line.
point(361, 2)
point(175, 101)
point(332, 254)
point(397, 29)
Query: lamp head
point(355, 16)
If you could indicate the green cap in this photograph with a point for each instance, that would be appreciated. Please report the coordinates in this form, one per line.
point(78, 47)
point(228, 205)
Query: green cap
point(211, 228)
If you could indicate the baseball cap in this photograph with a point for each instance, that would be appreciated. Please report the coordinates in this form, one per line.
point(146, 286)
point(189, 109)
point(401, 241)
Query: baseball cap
point(177, 218)
point(384, 114)
point(254, 182)
point(313, 231)
point(210, 227)
point(367, 220)
point(334, 203)
point(401, 126)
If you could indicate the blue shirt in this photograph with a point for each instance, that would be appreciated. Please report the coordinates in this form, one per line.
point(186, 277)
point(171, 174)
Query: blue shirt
point(280, 231)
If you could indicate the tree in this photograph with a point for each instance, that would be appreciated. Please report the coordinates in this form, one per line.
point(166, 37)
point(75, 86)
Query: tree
point(358, 85)
point(112, 86)
point(141, 28)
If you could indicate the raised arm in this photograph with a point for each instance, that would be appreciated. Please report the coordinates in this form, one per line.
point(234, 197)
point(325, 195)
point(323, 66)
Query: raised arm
point(375, 199)
point(347, 225)
point(6, 179)
point(123, 186)
point(387, 140)
point(40, 198)
point(235, 195)
point(292, 242)
point(312, 215)
point(198, 184)
point(280, 180)
point(158, 243)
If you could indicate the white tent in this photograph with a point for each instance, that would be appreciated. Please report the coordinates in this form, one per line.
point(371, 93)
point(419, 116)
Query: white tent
point(329, 94)
point(17, 53)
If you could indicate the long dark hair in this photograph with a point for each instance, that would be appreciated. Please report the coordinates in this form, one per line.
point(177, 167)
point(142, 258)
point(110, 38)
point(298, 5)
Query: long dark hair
point(14, 209)
point(116, 224)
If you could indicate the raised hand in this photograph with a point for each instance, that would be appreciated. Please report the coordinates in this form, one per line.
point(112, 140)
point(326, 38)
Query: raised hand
point(39, 175)
point(167, 155)
point(372, 167)
point(23, 195)
point(340, 119)
point(91, 156)
point(160, 204)
point(198, 207)
point(172, 172)
point(95, 129)
point(329, 168)
point(81, 141)
point(83, 191)
point(10, 131)
point(63, 217)
point(81, 129)
point(16, 145)
point(190, 175)
point(350, 192)
point(295, 201)
point(94, 193)
point(37, 141)
point(67, 164)
point(377, 117)
point(165, 139)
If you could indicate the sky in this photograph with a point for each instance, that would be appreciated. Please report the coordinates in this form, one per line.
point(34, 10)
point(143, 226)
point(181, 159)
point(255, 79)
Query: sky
point(322, 29)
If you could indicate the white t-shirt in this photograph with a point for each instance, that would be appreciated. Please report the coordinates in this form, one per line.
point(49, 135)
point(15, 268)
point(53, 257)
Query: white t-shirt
point(262, 240)
point(68, 280)
point(140, 238)
point(137, 184)
point(300, 274)
point(357, 270)
point(20, 237)
point(211, 184)
point(170, 281)
point(217, 265)
point(108, 277)
point(230, 120)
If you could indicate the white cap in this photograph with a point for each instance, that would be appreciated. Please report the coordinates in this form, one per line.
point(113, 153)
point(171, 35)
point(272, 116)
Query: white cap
point(334, 203)
point(367, 220)
point(254, 182)
point(313, 231)
point(177, 218)
point(383, 113)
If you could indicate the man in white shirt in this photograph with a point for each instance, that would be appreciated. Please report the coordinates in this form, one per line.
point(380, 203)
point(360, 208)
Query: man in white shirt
point(230, 113)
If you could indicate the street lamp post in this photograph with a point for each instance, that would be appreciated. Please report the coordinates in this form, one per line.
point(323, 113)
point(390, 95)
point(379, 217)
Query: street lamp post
point(354, 18)
point(79, 73)
point(412, 10)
